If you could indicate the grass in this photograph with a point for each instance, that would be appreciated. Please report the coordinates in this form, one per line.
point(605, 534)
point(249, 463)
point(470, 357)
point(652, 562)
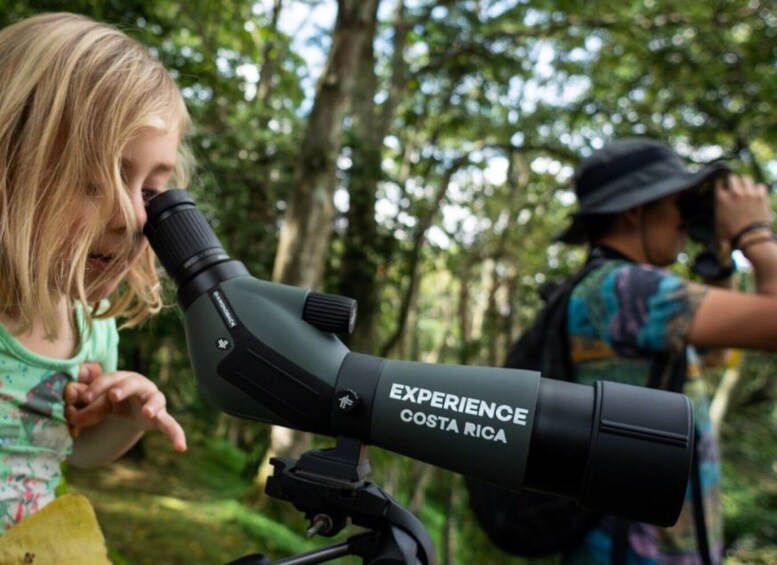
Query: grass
point(176, 508)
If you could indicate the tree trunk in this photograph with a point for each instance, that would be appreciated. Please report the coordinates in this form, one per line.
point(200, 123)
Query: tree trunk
point(392, 476)
point(364, 250)
point(420, 475)
point(270, 58)
point(728, 383)
point(491, 314)
point(496, 326)
point(451, 521)
point(463, 314)
point(307, 226)
point(360, 257)
point(262, 194)
point(414, 255)
point(441, 346)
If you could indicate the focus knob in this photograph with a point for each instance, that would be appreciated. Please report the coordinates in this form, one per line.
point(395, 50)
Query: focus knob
point(330, 312)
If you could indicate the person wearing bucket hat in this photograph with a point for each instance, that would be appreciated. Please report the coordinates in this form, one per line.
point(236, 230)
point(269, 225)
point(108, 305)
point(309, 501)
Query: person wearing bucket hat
point(632, 321)
point(625, 174)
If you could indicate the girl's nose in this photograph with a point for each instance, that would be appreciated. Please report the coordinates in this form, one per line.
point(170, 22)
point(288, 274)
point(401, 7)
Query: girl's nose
point(118, 221)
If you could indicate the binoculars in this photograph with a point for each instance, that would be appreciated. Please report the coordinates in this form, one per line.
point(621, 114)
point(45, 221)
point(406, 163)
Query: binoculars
point(697, 209)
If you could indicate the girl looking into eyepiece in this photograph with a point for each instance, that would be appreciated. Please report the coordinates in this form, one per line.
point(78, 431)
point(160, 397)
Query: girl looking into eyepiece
point(90, 127)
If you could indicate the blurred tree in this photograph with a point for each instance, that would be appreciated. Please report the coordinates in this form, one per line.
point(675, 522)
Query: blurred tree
point(307, 224)
point(365, 245)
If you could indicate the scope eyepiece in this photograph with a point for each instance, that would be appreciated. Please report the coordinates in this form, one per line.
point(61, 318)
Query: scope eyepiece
point(180, 235)
point(185, 243)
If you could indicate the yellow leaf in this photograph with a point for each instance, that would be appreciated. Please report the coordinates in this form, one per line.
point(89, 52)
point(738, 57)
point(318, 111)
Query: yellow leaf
point(63, 532)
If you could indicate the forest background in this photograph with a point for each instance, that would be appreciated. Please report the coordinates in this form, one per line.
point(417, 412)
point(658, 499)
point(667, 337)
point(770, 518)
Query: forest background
point(416, 156)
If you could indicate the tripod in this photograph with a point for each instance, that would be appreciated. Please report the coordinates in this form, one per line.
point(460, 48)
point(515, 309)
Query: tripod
point(329, 486)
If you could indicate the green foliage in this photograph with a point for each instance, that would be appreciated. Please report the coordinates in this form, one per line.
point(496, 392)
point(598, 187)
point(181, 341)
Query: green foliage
point(749, 488)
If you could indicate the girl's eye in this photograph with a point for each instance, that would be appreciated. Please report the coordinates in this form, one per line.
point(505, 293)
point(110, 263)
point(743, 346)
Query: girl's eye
point(149, 193)
point(92, 189)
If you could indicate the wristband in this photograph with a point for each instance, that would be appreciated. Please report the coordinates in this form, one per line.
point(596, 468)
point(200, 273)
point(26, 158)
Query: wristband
point(737, 238)
point(757, 240)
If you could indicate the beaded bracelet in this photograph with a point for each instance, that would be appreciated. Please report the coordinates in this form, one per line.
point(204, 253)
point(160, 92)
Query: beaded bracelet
point(755, 240)
point(735, 241)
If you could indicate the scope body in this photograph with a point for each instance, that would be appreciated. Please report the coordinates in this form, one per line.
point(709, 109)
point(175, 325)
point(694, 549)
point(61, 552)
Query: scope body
point(614, 448)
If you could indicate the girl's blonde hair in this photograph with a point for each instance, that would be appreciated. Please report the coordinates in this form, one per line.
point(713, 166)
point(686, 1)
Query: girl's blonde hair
point(74, 93)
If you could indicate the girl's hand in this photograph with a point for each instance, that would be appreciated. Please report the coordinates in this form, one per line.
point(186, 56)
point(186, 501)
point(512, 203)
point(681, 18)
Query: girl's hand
point(125, 394)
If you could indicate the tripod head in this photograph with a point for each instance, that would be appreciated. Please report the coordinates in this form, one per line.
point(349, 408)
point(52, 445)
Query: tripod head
point(330, 487)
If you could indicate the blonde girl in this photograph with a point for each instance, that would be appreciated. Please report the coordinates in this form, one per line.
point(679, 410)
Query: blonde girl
point(90, 126)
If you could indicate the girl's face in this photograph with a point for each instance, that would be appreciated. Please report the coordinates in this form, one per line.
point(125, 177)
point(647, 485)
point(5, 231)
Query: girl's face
point(147, 163)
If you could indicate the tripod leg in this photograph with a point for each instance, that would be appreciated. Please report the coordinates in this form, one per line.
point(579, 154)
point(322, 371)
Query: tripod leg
point(316, 556)
point(389, 545)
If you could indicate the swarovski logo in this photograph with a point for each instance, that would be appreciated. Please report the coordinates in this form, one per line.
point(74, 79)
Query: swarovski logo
point(345, 402)
point(225, 311)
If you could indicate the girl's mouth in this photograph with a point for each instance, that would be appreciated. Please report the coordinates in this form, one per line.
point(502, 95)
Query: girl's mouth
point(98, 261)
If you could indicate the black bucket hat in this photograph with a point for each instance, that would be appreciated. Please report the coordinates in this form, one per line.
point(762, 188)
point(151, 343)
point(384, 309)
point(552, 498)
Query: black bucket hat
point(627, 173)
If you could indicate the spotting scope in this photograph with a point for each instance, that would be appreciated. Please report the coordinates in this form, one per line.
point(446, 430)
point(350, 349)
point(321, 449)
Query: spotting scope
point(270, 352)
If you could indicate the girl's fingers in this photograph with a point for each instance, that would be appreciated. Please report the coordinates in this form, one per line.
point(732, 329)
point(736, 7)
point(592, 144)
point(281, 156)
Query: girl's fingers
point(120, 393)
point(127, 384)
point(154, 403)
point(102, 384)
point(133, 385)
point(73, 392)
point(168, 425)
point(90, 415)
point(89, 371)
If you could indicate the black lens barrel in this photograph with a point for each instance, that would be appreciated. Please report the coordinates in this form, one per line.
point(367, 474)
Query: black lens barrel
point(181, 236)
point(561, 437)
point(595, 444)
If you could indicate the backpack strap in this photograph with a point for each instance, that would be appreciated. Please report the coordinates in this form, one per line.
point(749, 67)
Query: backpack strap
point(556, 359)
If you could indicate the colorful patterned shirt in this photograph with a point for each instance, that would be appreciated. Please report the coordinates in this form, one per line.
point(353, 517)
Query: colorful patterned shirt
point(620, 316)
point(34, 436)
